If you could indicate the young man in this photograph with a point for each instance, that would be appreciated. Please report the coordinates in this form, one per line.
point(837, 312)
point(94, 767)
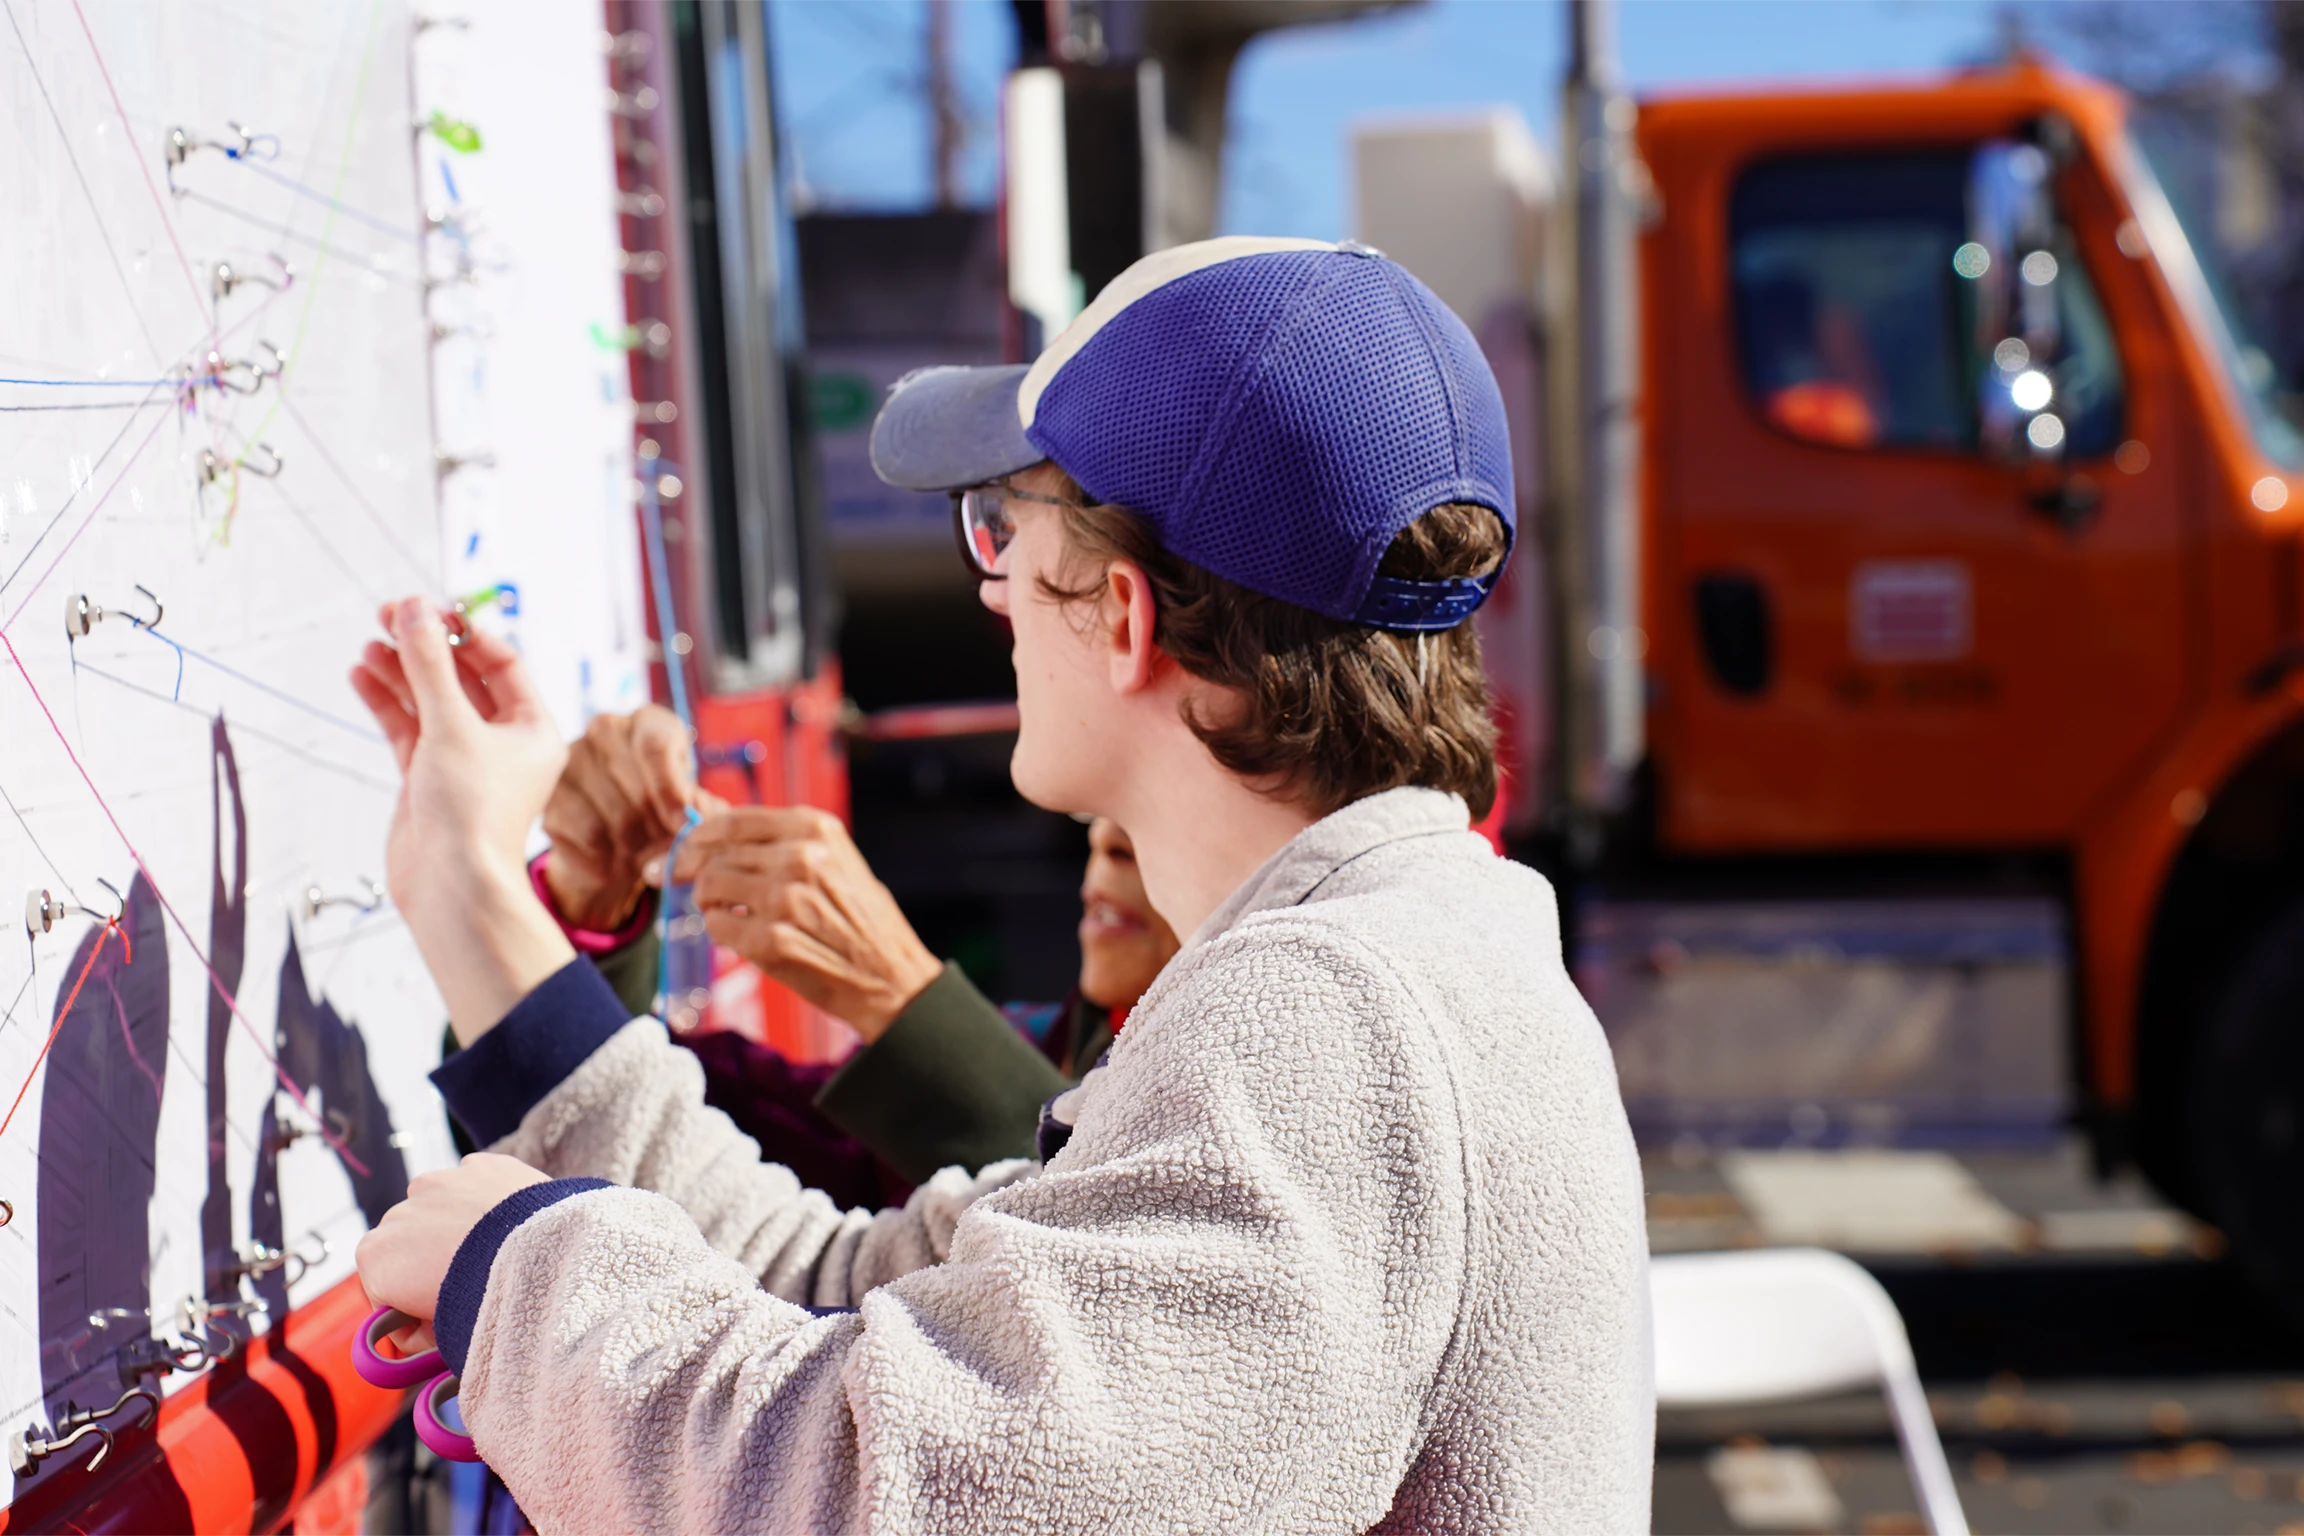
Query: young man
point(1344, 1233)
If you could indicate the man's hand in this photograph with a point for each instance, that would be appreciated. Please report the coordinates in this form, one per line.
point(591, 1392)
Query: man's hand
point(478, 756)
point(625, 792)
point(405, 1257)
point(787, 890)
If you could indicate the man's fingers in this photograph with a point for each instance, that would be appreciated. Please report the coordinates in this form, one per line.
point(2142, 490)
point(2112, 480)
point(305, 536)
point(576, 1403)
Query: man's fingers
point(429, 663)
point(500, 669)
point(384, 662)
point(392, 717)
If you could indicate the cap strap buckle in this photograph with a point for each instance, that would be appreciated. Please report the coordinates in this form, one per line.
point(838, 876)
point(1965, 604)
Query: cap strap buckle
point(1394, 602)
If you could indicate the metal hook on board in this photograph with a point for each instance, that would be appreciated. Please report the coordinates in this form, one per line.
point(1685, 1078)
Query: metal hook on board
point(371, 898)
point(224, 277)
point(446, 463)
point(42, 912)
point(27, 1449)
point(243, 375)
point(212, 466)
point(81, 615)
point(255, 1260)
point(245, 144)
point(200, 1335)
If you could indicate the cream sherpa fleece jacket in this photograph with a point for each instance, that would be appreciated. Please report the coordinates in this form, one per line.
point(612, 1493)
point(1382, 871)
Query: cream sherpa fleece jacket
point(1347, 1235)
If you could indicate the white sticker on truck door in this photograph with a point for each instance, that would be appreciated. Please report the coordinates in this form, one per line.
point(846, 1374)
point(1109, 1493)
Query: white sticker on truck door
point(1910, 610)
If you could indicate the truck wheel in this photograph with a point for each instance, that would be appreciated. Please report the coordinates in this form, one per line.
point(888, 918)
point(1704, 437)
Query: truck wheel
point(2247, 1113)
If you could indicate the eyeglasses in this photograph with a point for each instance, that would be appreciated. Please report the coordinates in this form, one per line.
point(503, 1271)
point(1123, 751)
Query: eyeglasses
point(986, 526)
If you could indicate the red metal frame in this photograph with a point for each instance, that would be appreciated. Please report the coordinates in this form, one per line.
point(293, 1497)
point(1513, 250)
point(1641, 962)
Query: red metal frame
point(241, 1447)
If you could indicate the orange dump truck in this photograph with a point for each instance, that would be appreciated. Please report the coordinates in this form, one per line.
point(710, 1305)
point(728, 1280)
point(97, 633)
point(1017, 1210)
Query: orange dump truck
point(1926, 583)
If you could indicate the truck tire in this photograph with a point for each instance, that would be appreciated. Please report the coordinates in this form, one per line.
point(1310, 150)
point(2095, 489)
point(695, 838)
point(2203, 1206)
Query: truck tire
point(2247, 1113)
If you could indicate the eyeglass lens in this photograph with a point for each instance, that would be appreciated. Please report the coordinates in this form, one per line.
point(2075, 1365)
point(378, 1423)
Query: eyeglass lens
point(985, 528)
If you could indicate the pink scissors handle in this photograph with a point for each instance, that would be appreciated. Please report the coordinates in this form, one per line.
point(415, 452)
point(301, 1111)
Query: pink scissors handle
point(384, 1371)
point(433, 1430)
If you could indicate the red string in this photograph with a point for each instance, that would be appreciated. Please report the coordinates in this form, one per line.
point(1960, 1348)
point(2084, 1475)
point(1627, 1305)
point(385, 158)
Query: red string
point(110, 925)
point(199, 300)
point(166, 906)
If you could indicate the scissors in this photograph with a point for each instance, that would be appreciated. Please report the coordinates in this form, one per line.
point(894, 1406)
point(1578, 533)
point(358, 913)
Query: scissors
point(438, 1383)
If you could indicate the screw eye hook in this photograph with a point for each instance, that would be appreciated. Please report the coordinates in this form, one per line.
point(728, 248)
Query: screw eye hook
point(252, 145)
point(27, 1450)
point(43, 911)
point(371, 898)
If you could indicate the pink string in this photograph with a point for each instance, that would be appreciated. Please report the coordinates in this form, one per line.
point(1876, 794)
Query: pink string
point(166, 906)
point(199, 300)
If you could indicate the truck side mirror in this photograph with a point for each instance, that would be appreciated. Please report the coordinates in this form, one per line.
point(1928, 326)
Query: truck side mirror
point(2009, 263)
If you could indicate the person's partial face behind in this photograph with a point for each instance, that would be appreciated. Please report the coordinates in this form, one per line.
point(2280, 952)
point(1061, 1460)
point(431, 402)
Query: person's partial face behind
point(1123, 942)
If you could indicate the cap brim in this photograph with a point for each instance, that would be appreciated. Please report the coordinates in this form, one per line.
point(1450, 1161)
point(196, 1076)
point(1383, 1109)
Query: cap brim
point(944, 428)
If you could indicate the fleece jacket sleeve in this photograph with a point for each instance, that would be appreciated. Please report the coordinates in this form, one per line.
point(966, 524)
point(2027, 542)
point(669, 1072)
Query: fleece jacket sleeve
point(572, 1087)
point(1246, 1244)
point(949, 1084)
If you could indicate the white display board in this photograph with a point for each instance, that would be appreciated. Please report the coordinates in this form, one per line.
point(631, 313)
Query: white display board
point(231, 373)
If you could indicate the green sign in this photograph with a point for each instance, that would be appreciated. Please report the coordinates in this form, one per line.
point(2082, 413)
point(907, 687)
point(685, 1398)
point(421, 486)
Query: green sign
point(840, 401)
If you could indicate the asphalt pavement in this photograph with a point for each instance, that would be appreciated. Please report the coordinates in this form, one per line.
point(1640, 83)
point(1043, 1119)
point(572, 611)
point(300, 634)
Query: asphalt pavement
point(2092, 1364)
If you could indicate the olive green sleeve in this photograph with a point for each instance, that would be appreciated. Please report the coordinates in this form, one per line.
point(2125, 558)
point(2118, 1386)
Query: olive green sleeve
point(950, 1083)
point(631, 972)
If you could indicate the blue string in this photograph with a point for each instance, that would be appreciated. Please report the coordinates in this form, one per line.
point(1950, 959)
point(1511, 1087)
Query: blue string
point(683, 962)
point(660, 591)
point(677, 954)
point(182, 650)
point(92, 383)
point(396, 231)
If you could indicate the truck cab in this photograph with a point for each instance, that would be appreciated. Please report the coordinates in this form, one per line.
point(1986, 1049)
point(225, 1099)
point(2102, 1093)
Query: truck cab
point(1970, 544)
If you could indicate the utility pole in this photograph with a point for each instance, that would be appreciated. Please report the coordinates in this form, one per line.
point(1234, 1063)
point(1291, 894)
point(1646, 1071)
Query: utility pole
point(1605, 640)
point(944, 124)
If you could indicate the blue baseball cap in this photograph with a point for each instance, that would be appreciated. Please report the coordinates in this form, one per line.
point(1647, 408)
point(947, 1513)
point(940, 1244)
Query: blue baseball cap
point(1275, 410)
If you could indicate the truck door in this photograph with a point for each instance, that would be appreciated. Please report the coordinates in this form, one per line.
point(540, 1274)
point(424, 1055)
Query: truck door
point(1873, 624)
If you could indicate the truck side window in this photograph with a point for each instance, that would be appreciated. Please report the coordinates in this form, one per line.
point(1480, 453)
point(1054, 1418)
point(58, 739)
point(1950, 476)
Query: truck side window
point(2090, 394)
point(1849, 317)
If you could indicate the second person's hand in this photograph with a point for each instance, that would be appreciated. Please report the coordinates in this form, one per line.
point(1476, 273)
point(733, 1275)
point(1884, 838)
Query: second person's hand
point(786, 888)
point(623, 796)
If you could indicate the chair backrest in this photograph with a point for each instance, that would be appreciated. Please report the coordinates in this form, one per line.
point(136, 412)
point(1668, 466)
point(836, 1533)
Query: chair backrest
point(1768, 1325)
point(1772, 1324)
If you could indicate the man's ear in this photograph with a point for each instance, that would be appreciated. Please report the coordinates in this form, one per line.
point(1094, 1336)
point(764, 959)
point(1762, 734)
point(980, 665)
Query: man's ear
point(1125, 622)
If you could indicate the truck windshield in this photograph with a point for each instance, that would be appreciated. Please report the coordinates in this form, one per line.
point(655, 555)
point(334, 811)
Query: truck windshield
point(2167, 154)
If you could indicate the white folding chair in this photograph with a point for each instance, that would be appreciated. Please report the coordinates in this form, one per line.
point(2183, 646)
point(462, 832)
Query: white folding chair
point(1776, 1324)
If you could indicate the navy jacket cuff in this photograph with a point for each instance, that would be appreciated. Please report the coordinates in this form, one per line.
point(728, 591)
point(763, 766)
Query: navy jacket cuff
point(466, 1285)
point(548, 1034)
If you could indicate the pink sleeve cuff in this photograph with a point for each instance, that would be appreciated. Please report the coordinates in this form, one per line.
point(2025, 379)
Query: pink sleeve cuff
point(591, 941)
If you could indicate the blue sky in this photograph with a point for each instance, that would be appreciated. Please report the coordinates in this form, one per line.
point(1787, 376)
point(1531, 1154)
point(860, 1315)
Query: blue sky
point(848, 73)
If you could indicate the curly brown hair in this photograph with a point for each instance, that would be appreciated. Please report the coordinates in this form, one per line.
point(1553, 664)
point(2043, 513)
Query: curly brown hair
point(1328, 712)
